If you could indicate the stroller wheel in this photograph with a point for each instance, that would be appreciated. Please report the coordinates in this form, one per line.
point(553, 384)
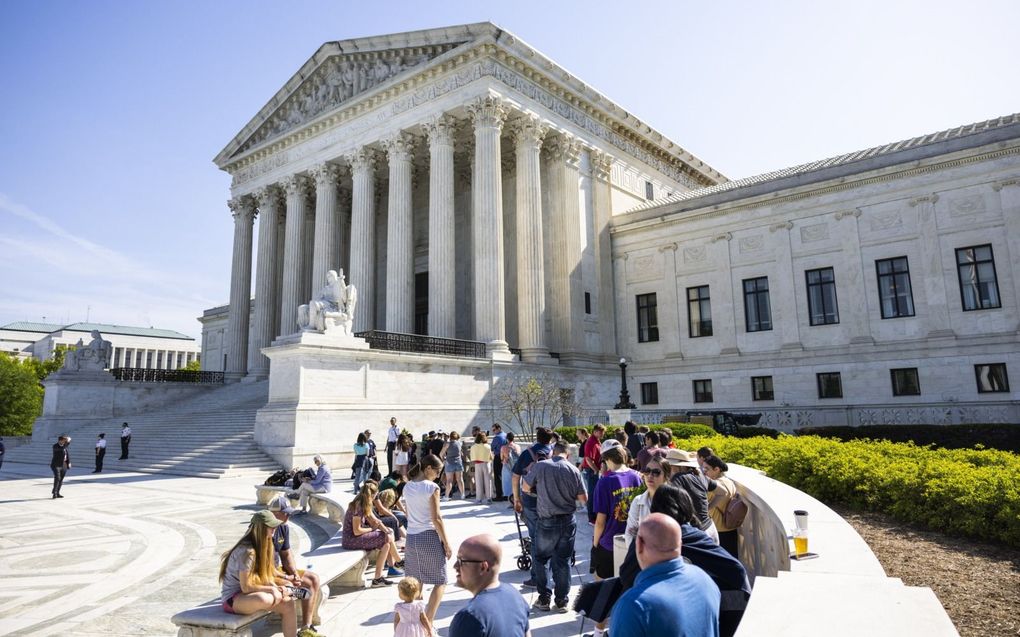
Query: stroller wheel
point(524, 563)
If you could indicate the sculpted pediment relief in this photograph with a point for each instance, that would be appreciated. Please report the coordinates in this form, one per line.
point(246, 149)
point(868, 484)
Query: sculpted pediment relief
point(337, 80)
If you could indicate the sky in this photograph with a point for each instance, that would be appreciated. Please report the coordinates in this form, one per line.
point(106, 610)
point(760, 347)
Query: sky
point(111, 209)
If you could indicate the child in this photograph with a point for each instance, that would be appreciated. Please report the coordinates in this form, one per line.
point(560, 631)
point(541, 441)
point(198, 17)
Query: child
point(409, 619)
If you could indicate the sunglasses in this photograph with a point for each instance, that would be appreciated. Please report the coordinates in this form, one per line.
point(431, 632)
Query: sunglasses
point(460, 561)
point(653, 472)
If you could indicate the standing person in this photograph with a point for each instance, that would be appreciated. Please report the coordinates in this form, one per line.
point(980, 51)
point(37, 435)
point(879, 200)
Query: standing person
point(613, 494)
point(559, 486)
point(360, 453)
point(499, 440)
point(401, 455)
point(427, 548)
point(649, 451)
point(495, 609)
point(635, 441)
point(669, 597)
point(719, 499)
point(452, 452)
point(60, 463)
point(409, 618)
point(100, 452)
point(481, 455)
point(284, 560)
point(591, 463)
point(391, 443)
point(527, 503)
point(370, 468)
point(322, 482)
point(125, 440)
point(248, 575)
point(655, 475)
point(509, 453)
point(684, 473)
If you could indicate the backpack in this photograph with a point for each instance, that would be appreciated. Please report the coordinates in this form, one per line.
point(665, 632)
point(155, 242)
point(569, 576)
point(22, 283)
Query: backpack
point(278, 479)
point(736, 511)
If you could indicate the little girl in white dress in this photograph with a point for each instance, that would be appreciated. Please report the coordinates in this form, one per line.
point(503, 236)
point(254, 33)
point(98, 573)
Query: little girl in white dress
point(409, 618)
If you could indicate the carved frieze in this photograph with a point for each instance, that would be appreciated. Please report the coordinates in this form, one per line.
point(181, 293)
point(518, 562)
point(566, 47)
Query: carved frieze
point(967, 206)
point(814, 232)
point(694, 254)
point(751, 244)
point(885, 220)
point(646, 267)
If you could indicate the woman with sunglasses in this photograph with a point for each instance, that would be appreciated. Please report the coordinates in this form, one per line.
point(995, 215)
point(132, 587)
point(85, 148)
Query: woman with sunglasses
point(655, 474)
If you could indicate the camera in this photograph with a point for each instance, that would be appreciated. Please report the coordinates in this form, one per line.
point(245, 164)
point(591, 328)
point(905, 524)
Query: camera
point(299, 593)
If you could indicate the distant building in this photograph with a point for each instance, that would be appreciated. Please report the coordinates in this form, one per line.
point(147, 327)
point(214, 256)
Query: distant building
point(140, 347)
point(214, 337)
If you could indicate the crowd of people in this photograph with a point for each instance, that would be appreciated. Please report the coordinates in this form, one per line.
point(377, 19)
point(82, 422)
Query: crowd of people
point(681, 575)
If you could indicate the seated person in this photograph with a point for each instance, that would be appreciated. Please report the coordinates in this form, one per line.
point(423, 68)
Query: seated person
point(362, 530)
point(321, 483)
point(287, 569)
point(385, 509)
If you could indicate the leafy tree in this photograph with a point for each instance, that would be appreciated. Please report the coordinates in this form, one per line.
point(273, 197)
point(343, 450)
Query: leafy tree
point(535, 401)
point(193, 366)
point(21, 395)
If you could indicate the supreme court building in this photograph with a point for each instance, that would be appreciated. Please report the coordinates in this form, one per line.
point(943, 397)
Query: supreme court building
point(472, 189)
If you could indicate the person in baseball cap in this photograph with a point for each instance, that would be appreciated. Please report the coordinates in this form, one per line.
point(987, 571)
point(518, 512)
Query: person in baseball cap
point(282, 505)
point(280, 510)
point(611, 443)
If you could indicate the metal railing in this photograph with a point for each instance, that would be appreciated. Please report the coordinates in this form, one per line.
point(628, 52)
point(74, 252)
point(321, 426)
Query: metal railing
point(139, 375)
point(398, 342)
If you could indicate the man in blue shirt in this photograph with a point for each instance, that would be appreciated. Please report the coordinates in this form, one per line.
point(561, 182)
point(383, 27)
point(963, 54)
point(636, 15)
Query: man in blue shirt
point(527, 503)
point(669, 597)
point(497, 442)
point(496, 610)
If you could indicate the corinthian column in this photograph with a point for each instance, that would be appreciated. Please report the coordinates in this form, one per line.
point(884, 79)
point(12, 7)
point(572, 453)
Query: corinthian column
point(399, 237)
point(488, 114)
point(243, 210)
point(564, 244)
point(362, 274)
point(266, 299)
point(293, 253)
point(601, 165)
point(326, 245)
point(527, 134)
point(442, 275)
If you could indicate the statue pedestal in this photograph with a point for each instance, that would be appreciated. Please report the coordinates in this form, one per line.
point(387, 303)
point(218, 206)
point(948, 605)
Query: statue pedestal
point(334, 339)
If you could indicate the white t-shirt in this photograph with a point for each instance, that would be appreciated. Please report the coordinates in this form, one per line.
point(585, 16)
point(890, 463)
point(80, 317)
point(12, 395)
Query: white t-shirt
point(101, 443)
point(125, 432)
point(418, 502)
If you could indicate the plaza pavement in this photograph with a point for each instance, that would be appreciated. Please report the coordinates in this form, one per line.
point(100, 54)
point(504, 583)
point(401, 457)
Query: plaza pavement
point(122, 552)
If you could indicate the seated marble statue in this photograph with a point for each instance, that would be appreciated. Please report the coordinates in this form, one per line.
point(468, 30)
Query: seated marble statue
point(92, 357)
point(332, 310)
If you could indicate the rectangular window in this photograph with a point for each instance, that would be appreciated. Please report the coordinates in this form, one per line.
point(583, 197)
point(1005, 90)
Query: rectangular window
point(979, 288)
point(905, 382)
point(894, 295)
point(757, 312)
point(821, 294)
point(703, 391)
point(649, 191)
point(829, 385)
point(699, 311)
point(647, 319)
point(991, 378)
point(587, 302)
point(761, 388)
point(649, 393)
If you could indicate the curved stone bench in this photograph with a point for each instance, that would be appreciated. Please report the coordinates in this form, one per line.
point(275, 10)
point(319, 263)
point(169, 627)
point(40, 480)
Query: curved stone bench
point(326, 505)
point(264, 494)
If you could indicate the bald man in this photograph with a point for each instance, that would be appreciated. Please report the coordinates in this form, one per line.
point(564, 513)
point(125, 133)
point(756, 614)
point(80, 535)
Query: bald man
point(669, 597)
point(496, 610)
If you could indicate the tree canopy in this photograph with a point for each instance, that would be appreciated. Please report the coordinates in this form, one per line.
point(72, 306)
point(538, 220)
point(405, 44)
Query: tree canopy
point(21, 391)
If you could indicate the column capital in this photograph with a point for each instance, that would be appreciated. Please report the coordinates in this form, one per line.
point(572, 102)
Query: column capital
point(999, 185)
point(362, 160)
point(242, 208)
point(439, 130)
point(268, 196)
point(785, 225)
point(601, 164)
point(565, 148)
point(296, 184)
point(326, 175)
point(399, 147)
point(916, 201)
point(488, 111)
point(843, 214)
point(527, 132)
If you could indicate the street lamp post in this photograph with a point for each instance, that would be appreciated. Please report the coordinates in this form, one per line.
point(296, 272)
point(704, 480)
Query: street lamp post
point(624, 395)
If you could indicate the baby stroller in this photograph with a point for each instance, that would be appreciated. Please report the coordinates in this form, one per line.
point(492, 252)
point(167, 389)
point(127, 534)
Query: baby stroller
point(524, 559)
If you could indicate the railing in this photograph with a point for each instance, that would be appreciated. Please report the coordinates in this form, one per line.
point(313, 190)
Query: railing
point(397, 342)
point(139, 375)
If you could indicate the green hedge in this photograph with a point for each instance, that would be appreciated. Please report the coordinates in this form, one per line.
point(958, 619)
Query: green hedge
point(1001, 437)
point(679, 429)
point(966, 492)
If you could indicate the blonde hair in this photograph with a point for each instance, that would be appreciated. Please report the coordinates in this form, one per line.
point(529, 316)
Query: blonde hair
point(454, 435)
point(362, 503)
point(409, 588)
point(387, 497)
point(260, 543)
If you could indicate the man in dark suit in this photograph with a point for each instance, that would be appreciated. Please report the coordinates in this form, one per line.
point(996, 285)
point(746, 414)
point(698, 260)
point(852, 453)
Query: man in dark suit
point(60, 463)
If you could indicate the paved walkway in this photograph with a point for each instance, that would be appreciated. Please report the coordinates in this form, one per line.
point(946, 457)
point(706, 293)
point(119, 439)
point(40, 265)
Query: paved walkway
point(122, 552)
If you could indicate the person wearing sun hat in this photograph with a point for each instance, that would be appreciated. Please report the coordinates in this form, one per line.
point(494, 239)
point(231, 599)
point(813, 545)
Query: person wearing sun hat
point(284, 560)
point(687, 476)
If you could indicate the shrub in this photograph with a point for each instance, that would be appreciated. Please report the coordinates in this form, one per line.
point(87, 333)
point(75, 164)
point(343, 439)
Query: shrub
point(679, 429)
point(971, 492)
point(1001, 437)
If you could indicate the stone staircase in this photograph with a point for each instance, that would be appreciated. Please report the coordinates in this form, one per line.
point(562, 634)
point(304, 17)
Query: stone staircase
point(207, 436)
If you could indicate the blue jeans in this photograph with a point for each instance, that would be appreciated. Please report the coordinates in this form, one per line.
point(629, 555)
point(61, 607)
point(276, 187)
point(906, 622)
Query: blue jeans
point(555, 544)
point(530, 515)
point(364, 473)
point(590, 479)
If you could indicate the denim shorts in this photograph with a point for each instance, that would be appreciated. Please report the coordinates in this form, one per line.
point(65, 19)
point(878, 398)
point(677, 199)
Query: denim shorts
point(453, 467)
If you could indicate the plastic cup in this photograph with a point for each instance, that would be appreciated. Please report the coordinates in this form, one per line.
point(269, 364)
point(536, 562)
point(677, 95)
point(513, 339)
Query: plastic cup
point(800, 542)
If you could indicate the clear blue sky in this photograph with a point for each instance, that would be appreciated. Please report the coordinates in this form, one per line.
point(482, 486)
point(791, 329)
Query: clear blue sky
point(111, 112)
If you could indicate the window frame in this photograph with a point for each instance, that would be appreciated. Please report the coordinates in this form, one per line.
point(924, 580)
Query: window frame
point(757, 294)
point(754, 389)
point(974, 264)
point(897, 390)
point(651, 331)
point(835, 296)
point(650, 393)
point(649, 191)
point(694, 386)
point(1005, 378)
point(839, 380)
point(707, 299)
point(895, 287)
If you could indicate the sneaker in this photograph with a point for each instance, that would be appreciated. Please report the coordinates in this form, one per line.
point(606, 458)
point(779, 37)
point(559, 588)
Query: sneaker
point(381, 581)
point(561, 605)
point(528, 583)
point(308, 631)
point(394, 572)
point(444, 499)
point(399, 564)
point(542, 603)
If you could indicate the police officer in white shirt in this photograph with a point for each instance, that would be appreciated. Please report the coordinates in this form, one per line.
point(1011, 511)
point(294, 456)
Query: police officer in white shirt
point(100, 452)
point(125, 440)
point(391, 443)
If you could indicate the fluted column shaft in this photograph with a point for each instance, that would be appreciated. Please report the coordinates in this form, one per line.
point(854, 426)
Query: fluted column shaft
point(293, 254)
point(442, 272)
point(528, 134)
point(266, 300)
point(362, 274)
point(488, 115)
point(326, 244)
point(564, 243)
point(240, 289)
point(602, 200)
point(399, 238)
